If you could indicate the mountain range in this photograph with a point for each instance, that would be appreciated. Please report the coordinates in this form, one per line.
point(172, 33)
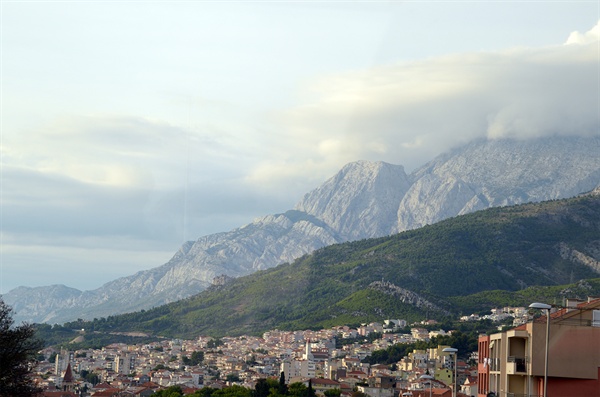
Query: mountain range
point(363, 200)
point(497, 257)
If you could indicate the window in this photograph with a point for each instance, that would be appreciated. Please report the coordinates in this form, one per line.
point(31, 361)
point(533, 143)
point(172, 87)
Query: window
point(596, 318)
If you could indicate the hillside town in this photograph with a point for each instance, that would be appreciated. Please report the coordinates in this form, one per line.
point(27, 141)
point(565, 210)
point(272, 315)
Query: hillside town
point(299, 356)
point(508, 363)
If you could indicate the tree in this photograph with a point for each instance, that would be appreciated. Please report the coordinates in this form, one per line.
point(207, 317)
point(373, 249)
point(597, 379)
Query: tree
point(311, 391)
point(172, 391)
point(333, 392)
point(261, 389)
point(297, 389)
point(233, 391)
point(282, 387)
point(213, 343)
point(205, 392)
point(18, 349)
point(232, 378)
point(196, 358)
point(92, 378)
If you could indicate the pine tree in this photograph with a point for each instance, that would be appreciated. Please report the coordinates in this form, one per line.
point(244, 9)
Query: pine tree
point(282, 388)
point(18, 349)
point(261, 389)
point(311, 391)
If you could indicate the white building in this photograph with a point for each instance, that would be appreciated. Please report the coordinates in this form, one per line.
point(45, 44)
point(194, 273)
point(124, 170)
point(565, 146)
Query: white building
point(295, 368)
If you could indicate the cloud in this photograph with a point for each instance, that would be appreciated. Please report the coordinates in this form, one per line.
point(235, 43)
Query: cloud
point(124, 176)
point(112, 150)
point(591, 36)
point(129, 178)
point(408, 112)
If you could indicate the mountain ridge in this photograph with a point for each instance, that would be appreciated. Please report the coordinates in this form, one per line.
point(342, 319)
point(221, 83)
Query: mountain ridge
point(363, 200)
point(473, 262)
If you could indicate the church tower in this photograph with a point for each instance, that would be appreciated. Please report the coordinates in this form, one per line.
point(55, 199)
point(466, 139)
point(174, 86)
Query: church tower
point(68, 381)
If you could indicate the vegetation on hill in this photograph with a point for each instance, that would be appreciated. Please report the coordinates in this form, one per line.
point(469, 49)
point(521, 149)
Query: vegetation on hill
point(481, 302)
point(464, 342)
point(71, 334)
point(496, 257)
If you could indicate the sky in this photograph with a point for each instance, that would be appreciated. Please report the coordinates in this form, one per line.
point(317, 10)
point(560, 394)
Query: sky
point(128, 128)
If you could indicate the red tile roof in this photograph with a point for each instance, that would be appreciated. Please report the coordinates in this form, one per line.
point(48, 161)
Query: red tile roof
point(68, 377)
point(321, 381)
point(593, 303)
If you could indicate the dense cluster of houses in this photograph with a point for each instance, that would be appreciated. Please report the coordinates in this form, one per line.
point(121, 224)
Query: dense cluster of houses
point(519, 315)
point(302, 356)
point(509, 363)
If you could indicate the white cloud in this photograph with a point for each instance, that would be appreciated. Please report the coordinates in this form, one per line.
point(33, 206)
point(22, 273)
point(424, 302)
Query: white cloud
point(120, 151)
point(591, 36)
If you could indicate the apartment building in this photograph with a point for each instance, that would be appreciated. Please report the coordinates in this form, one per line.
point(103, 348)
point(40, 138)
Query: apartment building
point(512, 363)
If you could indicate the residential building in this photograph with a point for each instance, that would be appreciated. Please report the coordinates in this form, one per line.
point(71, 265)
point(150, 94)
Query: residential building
point(512, 363)
point(125, 363)
point(375, 391)
point(322, 385)
point(469, 387)
point(419, 333)
point(444, 375)
point(298, 368)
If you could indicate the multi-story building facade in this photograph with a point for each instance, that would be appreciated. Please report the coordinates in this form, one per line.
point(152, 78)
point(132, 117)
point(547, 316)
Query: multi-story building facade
point(62, 360)
point(298, 369)
point(125, 363)
point(512, 363)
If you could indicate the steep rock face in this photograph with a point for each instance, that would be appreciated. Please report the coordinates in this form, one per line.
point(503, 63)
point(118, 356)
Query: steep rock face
point(365, 199)
point(360, 201)
point(405, 296)
point(259, 245)
point(499, 173)
point(574, 255)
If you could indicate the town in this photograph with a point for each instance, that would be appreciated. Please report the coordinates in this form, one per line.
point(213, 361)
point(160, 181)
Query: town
point(558, 348)
point(304, 356)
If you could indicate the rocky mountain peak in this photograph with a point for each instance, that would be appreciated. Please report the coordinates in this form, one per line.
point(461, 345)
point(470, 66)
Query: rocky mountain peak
point(361, 200)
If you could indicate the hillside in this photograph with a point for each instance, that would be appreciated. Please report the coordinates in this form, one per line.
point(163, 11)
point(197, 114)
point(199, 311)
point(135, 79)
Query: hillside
point(363, 200)
point(460, 265)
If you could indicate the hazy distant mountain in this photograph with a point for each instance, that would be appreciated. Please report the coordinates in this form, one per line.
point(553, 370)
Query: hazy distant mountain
point(365, 199)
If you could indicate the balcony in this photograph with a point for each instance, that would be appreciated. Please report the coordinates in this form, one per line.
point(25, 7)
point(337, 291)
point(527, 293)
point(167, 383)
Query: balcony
point(516, 365)
point(494, 364)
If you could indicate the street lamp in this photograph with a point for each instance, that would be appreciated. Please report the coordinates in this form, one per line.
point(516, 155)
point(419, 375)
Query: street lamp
point(425, 376)
point(546, 307)
point(453, 351)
